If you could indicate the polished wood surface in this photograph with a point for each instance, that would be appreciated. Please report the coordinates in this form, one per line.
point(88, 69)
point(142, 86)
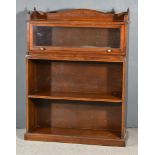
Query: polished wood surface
point(80, 15)
point(76, 75)
point(110, 141)
point(75, 96)
point(89, 133)
point(78, 56)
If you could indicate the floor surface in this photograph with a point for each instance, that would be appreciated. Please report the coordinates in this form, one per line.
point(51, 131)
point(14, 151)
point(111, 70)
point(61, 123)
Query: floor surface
point(53, 148)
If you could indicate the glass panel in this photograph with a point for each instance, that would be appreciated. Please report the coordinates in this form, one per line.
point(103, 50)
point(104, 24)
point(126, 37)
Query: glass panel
point(76, 37)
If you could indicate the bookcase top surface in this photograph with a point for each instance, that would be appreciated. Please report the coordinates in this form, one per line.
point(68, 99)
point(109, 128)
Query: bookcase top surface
point(79, 15)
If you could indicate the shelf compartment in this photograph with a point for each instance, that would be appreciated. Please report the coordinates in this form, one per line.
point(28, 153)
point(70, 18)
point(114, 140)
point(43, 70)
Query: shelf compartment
point(67, 80)
point(75, 96)
point(44, 113)
point(73, 121)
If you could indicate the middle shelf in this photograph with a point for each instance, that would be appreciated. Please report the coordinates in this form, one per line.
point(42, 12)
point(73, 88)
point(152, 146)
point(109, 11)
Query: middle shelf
point(75, 96)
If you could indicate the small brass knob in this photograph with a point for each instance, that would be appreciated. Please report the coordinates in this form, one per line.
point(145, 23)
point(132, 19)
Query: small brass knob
point(42, 48)
point(109, 50)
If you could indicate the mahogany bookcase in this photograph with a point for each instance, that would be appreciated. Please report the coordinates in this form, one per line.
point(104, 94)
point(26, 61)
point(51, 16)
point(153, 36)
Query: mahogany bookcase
point(76, 75)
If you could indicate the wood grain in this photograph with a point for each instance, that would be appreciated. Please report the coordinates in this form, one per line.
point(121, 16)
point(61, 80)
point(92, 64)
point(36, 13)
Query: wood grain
point(76, 77)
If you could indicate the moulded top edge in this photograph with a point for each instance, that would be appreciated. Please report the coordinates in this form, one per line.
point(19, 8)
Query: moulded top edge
point(75, 22)
point(79, 15)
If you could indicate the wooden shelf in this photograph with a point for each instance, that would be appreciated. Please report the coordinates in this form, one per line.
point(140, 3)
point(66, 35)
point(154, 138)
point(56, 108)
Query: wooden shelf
point(89, 133)
point(82, 136)
point(80, 132)
point(75, 96)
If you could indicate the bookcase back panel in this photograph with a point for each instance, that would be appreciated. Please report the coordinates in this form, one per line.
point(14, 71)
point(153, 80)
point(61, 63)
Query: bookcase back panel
point(86, 77)
point(83, 115)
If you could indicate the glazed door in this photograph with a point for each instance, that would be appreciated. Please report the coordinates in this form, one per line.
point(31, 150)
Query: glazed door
point(51, 38)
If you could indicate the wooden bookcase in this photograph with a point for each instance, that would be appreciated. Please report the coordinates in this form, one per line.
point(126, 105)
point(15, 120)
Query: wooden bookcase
point(76, 77)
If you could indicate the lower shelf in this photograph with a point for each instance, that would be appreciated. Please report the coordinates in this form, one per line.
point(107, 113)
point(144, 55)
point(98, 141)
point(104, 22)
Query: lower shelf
point(83, 136)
